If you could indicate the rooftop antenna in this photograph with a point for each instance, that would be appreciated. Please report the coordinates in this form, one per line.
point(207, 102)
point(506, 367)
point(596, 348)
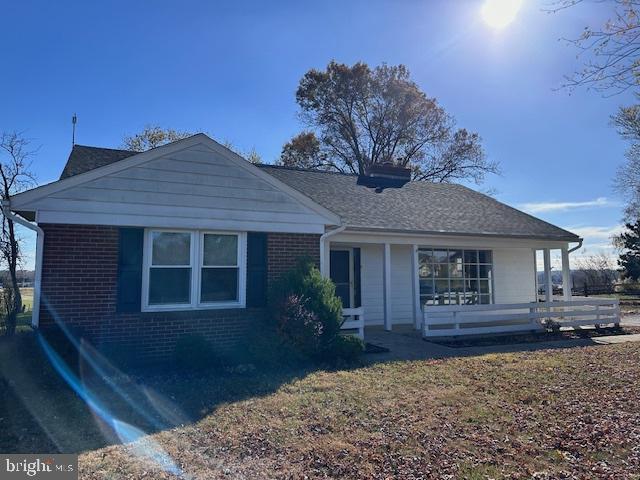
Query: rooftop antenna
point(74, 120)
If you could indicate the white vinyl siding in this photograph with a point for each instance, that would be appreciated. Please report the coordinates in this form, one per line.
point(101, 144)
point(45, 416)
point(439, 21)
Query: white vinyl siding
point(401, 284)
point(372, 283)
point(196, 187)
point(513, 280)
point(513, 275)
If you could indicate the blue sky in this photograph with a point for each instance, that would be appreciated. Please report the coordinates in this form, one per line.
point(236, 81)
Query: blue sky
point(231, 69)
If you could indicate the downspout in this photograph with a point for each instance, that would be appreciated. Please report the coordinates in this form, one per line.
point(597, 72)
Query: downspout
point(323, 248)
point(567, 294)
point(571, 250)
point(6, 210)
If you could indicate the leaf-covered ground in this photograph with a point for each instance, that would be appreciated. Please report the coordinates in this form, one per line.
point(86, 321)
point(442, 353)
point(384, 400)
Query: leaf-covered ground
point(572, 413)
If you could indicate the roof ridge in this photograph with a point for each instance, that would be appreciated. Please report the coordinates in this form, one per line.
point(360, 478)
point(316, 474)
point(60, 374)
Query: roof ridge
point(300, 169)
point(313, 170)
point(105, 148)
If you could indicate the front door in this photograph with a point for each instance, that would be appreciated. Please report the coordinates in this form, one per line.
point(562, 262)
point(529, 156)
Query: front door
point(341, 267)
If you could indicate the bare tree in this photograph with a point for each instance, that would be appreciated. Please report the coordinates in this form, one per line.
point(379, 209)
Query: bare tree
point(627, 179)
point(152, 136)
point(611, 52)
point(15, 175)
point(596, 270)
point(358, 116)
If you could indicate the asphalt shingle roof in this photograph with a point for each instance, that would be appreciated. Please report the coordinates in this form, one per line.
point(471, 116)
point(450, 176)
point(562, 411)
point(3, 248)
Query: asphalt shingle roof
point(83, 158)
point(416, 207)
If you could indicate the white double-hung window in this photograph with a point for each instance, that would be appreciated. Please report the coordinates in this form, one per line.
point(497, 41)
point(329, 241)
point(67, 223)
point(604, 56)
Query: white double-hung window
point(193, 269)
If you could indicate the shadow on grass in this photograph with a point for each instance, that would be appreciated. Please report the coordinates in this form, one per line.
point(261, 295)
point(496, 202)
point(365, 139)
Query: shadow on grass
point(50, 405)
point(531, 340)
point(77, 403)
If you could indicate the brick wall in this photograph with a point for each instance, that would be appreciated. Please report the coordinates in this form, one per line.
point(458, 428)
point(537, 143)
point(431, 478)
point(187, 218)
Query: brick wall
point(284, 250)
point(79, 288)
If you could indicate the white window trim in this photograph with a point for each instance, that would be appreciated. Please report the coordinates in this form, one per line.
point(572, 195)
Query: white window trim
point(197, 247)
point(492, 291)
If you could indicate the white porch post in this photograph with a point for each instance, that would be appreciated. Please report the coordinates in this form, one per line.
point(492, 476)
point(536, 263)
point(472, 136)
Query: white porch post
point(535, 273)
point(325, 256)
point(387, 286)
point(417, 312)
point(325, 253)
point(548, 284)
point(566, 275)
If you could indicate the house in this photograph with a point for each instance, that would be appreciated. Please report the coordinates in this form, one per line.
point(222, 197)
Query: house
point(140, 248)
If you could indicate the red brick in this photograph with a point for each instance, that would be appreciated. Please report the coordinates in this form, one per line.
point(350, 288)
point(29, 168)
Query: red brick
point(79, 288)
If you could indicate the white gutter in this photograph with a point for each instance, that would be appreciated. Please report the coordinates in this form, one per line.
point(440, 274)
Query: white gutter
point(576, 247)
point(6, 209)
point(323, 267)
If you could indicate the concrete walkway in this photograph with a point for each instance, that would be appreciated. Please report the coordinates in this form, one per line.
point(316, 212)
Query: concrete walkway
point(404, 343)
point(630, 320)
point(617, 339)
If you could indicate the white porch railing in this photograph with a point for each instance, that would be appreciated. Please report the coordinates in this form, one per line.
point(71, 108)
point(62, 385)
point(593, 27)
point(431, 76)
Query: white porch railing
point(354, 320)
point(454, 320)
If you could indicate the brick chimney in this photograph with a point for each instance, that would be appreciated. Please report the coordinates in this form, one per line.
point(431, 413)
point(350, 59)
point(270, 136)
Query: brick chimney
point(385, 175)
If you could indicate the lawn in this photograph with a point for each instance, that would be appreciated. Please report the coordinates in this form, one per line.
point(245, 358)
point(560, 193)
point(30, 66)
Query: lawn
point(24, 318)
point(570, 413)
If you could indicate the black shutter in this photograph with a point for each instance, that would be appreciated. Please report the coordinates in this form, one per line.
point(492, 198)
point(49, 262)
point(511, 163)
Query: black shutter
point(130, 248)
point(256, 269)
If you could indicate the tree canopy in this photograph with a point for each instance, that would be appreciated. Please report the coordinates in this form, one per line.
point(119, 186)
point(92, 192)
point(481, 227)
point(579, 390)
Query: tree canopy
point(610, 53)
point(610, 56)
point(357, 116)
point(629, 241)
point(627, 180)
point(152, 136)
point(15, 176)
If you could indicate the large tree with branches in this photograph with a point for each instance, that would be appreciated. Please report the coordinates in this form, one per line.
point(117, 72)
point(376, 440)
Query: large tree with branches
point(153, 136)
point(627, 179)
point(15, 176)
point(610, 56)
point(359, 116)
point(610, 52)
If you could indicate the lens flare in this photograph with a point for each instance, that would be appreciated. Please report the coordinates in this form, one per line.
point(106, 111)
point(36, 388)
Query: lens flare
point(500, 13)
point(139, 442)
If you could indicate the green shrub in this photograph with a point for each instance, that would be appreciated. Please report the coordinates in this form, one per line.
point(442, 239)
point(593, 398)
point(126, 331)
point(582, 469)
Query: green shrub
point(300, 325)
point(344, 349)
point(194, 352)
point(305, 309)
point(307, 313)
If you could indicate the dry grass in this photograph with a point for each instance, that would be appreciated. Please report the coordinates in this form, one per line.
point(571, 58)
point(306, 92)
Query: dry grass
point(571, 413)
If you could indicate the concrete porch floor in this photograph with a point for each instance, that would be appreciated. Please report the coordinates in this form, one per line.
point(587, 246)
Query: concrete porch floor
point(403, 343)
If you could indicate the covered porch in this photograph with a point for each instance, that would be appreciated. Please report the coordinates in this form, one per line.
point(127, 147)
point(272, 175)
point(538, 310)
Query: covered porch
point(400, 281)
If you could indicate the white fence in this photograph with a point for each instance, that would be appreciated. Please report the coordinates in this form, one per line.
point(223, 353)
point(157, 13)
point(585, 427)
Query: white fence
point(354, 320)
point(454, 320)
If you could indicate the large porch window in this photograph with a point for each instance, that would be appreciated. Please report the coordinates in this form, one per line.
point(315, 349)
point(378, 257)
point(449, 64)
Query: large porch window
point(455, 276)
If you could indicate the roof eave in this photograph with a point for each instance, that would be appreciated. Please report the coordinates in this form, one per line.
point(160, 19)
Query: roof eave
point(379, 230)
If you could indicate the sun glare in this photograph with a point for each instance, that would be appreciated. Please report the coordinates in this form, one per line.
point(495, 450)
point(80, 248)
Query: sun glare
point(500, 13)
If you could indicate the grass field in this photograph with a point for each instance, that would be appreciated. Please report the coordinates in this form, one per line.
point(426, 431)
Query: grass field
point(24, 319)
point(572, 413)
